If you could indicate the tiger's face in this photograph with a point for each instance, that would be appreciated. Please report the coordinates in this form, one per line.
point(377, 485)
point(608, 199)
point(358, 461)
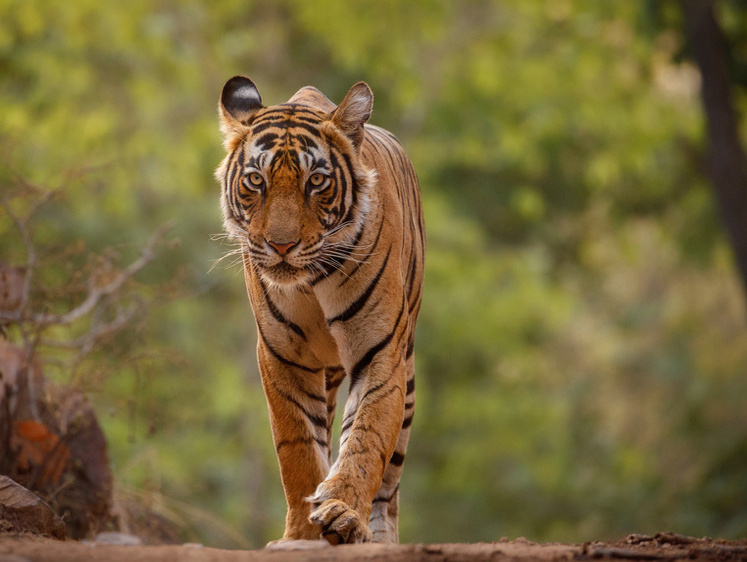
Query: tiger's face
point(294, 192)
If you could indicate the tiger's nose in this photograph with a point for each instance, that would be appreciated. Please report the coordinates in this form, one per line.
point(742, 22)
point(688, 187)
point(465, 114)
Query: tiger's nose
point(282, 248)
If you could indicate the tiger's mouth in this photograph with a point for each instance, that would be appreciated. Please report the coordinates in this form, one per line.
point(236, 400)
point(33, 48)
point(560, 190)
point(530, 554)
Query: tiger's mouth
point(298, 267)
point(283, 273)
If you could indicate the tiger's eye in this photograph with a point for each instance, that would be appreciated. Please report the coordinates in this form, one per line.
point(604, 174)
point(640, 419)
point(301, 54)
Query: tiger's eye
point(256, 179)
point(316, 179)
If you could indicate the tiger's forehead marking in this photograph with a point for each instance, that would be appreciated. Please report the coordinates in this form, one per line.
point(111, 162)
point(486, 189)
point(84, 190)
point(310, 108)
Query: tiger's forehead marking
point(286, 136)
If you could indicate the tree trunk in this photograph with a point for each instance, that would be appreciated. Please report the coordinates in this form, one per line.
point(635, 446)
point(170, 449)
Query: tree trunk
point(726, 160)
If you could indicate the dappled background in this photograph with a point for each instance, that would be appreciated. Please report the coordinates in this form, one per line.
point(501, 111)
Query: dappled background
point(582, 347)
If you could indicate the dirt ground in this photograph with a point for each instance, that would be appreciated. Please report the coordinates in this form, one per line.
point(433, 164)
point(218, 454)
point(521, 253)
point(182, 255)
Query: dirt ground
point(22, 548)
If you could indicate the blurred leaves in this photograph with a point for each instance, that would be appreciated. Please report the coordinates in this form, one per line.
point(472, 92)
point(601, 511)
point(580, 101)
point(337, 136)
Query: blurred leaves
point(582, 344)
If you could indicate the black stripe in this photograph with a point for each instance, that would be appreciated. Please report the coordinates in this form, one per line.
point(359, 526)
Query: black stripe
point(411, 268)
point(407, 422)
point(307, 143)
point(236, 162)
point(347, 425)
point(266, 141)
point(334, 263)
point(354, 189)
point(312, 120)
point(287, 111)
point(300, 441)
point(394, 162)
point(319, 421)
point(380, 386)
point(397, 459)
point(411, 386)
point(370, 253)
point(231, 191)
point(286, 124)
point(279, 315)
point(342, 181)
point(316, 397)
point(261, 126)
point(354, 308)
point(415, 300)
point(387, 499)
point(280, 358)
point(365, 361)
point(300, 109)
point(410, 347)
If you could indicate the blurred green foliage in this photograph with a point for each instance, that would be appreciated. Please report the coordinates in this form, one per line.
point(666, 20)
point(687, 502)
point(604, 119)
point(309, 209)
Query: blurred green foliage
point(582, 344)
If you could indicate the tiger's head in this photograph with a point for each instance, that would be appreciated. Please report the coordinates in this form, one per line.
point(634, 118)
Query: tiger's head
point(294, 190)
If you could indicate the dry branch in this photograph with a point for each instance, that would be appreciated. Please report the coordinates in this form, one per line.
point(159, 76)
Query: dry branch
point(95, 293)
point(108, 305)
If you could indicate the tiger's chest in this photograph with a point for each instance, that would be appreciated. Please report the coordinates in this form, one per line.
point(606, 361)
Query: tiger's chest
point(292, 320)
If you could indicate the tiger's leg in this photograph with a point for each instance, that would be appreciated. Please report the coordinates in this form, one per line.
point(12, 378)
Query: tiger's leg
point(371, 426)
point(385, 511)
point(298, 416)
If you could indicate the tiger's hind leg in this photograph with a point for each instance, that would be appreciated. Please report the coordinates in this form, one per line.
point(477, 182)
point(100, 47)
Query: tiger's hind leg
point(383, 521)
point(385, 510)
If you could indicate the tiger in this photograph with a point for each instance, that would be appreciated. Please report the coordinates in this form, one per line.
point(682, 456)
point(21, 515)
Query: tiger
point(327, 215)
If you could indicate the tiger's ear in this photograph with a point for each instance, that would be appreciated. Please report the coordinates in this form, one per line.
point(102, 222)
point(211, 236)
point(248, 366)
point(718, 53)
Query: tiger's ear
point(353, 112)
point(239, 100)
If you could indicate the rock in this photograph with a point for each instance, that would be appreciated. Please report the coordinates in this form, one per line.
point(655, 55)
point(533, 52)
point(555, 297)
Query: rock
point(23, 512)
point(51, 443)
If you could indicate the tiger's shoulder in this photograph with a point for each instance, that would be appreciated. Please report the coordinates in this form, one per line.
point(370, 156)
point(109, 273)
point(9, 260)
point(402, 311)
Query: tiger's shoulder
point(384, 152)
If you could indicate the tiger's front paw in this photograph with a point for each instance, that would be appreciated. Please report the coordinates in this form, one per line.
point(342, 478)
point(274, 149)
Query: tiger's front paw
point(340, 523)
